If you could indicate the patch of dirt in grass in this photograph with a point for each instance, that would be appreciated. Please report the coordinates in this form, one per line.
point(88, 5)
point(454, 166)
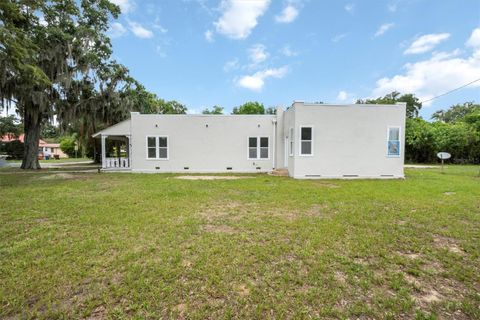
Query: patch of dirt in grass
point(431, 290)
point(409, 255)
point(42, 220)
point(99, 312)
point(219, 229)
point(447, 243)
point(212, 177)
point(243, 290)
point(326, 184)
point(186, 263)
point(318, 210)
point(223, 210)
point(449, 193)
point(340, 276)
point(55, 176)
point(433, 267)
point(410, 279)
point(429, 296)
point(361, 261)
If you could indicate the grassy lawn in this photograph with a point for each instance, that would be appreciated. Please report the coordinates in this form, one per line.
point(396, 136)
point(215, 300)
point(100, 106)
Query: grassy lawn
point(152, 246)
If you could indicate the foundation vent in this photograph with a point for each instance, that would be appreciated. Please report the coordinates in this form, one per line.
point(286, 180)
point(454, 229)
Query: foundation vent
point(350, 175)
point(229, 168)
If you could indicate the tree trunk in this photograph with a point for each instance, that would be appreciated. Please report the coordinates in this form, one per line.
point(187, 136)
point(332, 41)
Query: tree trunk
point(32, 120)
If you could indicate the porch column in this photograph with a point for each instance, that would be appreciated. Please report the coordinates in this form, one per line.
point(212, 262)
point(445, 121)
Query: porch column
point(129, 151)
point(104, 164)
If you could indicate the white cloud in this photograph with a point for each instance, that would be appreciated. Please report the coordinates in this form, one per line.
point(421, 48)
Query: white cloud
point(231, 65)
point(126, 6)
point(426, 43)
point(289, 14)
point(474, 40)
point(161, 51)
point(139, 31)
point(440, 73)
point(350, 7)
point(383, 28)
point(158, 26)
point(208, 35)
point(343, 95)
point(239, 18)
point(117, 30)
point(339, 37)
point(288, 52)
point(256, 81)
point(257, 53)
point(392, 7)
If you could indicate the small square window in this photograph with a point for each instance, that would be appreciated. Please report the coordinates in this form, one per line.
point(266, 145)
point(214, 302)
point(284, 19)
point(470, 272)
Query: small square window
point(157, 147)
point(258, 148)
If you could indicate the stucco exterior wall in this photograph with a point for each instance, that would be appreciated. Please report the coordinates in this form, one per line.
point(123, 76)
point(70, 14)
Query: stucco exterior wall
point(349, 141)
point(224, 143)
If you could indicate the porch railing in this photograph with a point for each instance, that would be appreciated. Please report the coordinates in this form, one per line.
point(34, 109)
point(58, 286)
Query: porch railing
point(117, 163)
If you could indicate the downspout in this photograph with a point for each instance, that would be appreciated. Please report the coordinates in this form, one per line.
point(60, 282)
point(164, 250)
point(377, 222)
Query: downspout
point(274, 122)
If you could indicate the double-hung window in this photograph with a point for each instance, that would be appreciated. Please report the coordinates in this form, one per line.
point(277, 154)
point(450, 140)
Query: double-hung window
point(258, 148)
point(393, 144)
point(306, 141)
point(157, 147)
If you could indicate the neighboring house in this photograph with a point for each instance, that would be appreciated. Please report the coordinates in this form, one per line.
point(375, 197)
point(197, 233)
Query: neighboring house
point(44, 148)
point(309, 140)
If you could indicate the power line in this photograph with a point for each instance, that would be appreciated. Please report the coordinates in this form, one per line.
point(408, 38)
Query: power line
point(453, 90)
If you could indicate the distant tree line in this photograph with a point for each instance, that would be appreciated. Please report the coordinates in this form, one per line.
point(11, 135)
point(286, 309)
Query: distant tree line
point(251, 107)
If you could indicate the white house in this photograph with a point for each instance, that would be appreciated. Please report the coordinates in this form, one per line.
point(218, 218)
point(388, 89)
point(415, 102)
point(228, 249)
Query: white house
point(309, 140)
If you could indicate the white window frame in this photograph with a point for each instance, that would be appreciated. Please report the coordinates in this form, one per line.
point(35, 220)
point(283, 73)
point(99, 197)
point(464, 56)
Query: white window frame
point(157, 153)
point(291, 142)
point(300, 154)
point(399, 141)
point(258, 148)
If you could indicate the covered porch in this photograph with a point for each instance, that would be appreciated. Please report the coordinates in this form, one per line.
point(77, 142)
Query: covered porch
point(115, 147)
point(115, 152)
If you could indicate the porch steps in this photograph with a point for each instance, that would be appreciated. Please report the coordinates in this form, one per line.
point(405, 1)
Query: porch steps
point(280, 172)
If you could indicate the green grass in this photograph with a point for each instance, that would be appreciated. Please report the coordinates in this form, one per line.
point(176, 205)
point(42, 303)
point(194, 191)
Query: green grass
point(152, 246)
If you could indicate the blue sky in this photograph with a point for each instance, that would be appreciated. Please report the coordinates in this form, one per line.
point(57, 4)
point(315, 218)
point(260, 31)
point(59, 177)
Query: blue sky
point(226, 52)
